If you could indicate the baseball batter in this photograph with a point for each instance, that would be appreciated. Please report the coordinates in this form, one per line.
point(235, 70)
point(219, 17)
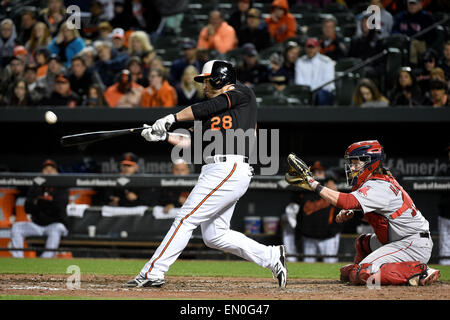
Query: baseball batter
point(224, 178)
point(400, 248)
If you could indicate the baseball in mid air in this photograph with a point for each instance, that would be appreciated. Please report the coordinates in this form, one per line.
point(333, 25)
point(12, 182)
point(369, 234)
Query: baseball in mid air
point(50, 117)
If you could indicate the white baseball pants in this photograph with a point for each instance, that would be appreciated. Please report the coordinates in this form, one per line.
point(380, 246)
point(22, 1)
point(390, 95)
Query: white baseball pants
point(21, 230)
point(412, 248)
point(211, 204)
point(326, 247)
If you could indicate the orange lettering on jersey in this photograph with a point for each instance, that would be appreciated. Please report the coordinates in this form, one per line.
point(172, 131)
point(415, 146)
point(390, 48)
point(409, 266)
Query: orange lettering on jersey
point(215, 121)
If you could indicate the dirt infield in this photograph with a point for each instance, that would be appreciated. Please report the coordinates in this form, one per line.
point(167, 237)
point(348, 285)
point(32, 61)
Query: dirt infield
point(108, 286)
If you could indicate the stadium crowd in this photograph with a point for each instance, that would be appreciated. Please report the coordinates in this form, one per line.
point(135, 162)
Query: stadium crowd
point(137, 54)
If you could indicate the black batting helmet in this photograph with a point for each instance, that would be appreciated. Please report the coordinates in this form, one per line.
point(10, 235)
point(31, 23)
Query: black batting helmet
point(218, 72)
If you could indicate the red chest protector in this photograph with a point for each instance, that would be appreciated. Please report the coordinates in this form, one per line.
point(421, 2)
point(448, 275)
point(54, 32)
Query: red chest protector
point(380, 223)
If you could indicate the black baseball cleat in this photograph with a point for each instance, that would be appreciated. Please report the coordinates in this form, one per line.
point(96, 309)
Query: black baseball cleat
point(141, 282)
point(279, 271)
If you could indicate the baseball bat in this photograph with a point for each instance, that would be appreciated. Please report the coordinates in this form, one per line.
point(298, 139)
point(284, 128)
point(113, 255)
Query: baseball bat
point(90, 137)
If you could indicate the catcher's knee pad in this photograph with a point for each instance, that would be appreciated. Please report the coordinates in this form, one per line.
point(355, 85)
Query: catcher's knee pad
point(362, 246)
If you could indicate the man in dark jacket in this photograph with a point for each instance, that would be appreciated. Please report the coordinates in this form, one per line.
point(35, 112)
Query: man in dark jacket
point(254, 31)
point(62, 95)
point(81, 78)
point(47, 207)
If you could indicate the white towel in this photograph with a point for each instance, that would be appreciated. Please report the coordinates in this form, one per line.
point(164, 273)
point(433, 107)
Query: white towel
point(158, 212)
point(76, 210)
point(109, 211)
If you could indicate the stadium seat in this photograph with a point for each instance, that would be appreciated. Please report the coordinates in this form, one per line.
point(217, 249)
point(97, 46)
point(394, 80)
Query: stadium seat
point(393, 64)
point(399, 41)
point(346, 85)
point(309, 18)
point(263, 89)
point(273, 101)
point(314, 30)
point(300, 92)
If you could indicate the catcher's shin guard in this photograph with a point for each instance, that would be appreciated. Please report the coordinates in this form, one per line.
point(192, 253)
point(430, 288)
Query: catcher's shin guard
point(362, 246)
point(395, 273)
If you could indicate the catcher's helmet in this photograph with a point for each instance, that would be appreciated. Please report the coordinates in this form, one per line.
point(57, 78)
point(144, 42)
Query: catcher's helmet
point(372, 155)
point(218, 72)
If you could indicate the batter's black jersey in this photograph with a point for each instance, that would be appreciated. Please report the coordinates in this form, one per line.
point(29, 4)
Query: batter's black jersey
point(233, 115)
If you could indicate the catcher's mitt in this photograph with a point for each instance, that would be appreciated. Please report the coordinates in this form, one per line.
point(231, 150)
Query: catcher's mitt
point(298, 173)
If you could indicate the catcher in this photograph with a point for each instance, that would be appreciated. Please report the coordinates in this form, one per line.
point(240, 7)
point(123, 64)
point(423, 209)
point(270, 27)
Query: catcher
point(400, 249)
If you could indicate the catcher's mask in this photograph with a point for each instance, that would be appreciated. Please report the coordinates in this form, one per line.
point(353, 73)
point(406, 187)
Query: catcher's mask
point(369, 155)
point(218, 72)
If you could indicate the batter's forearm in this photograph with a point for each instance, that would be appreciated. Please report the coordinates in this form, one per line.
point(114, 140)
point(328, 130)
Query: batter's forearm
point(185, 115)
point(179, 140)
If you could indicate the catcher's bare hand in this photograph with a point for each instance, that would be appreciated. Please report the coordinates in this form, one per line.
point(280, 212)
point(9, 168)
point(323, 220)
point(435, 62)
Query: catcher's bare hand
point(344, 215)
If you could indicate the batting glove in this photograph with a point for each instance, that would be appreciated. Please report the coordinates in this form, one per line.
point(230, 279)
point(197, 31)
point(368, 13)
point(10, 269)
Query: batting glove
point(163, 124)
point(150, 135)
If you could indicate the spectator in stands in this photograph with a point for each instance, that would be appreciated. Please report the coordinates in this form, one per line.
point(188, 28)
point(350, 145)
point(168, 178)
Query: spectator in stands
point(281, 23)
point(290, 56)
point(412, 21)
point(444, 61)
point(124, 93)
point(147, 58)
point(125, 197)
point(428, 62)
point(188, 90)
point(27, 22)
point(157, 63)
point(135, 67)
point(95, 97)
point(250, 71)
point(81, 78)
point(67, 44)
point(406, 92)
point(8, 37)
point(13, 72)
point(276, 68)
point(314, 69)
point(238, 16)
point(90, 26)
point(40, 37)
point(109, 62)
point(41, 57)
point(53, 15)
point(104, 31)
point(139, 42)
point(217, 34)
point(47, 207)
point(175, 197)
point(22, 53)
point(45, 84)
point(159, 93)
point(366, 94)
point(254, 31)
point(89, 56)
point(19, 97)
point(437, 74)
point(366, 45)
point(62, 95)
point(189, 47)
point(123, 15)
point(331, 44)
point(31, 81)
point(316, 226)
point(438, 94)
point(386, 19)
point(118, 40)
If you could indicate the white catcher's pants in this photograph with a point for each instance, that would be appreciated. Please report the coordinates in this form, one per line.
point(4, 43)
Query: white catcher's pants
point(21, 230)
point(211, 204)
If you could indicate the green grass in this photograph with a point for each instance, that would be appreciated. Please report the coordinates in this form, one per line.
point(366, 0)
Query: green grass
point(180, 268)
